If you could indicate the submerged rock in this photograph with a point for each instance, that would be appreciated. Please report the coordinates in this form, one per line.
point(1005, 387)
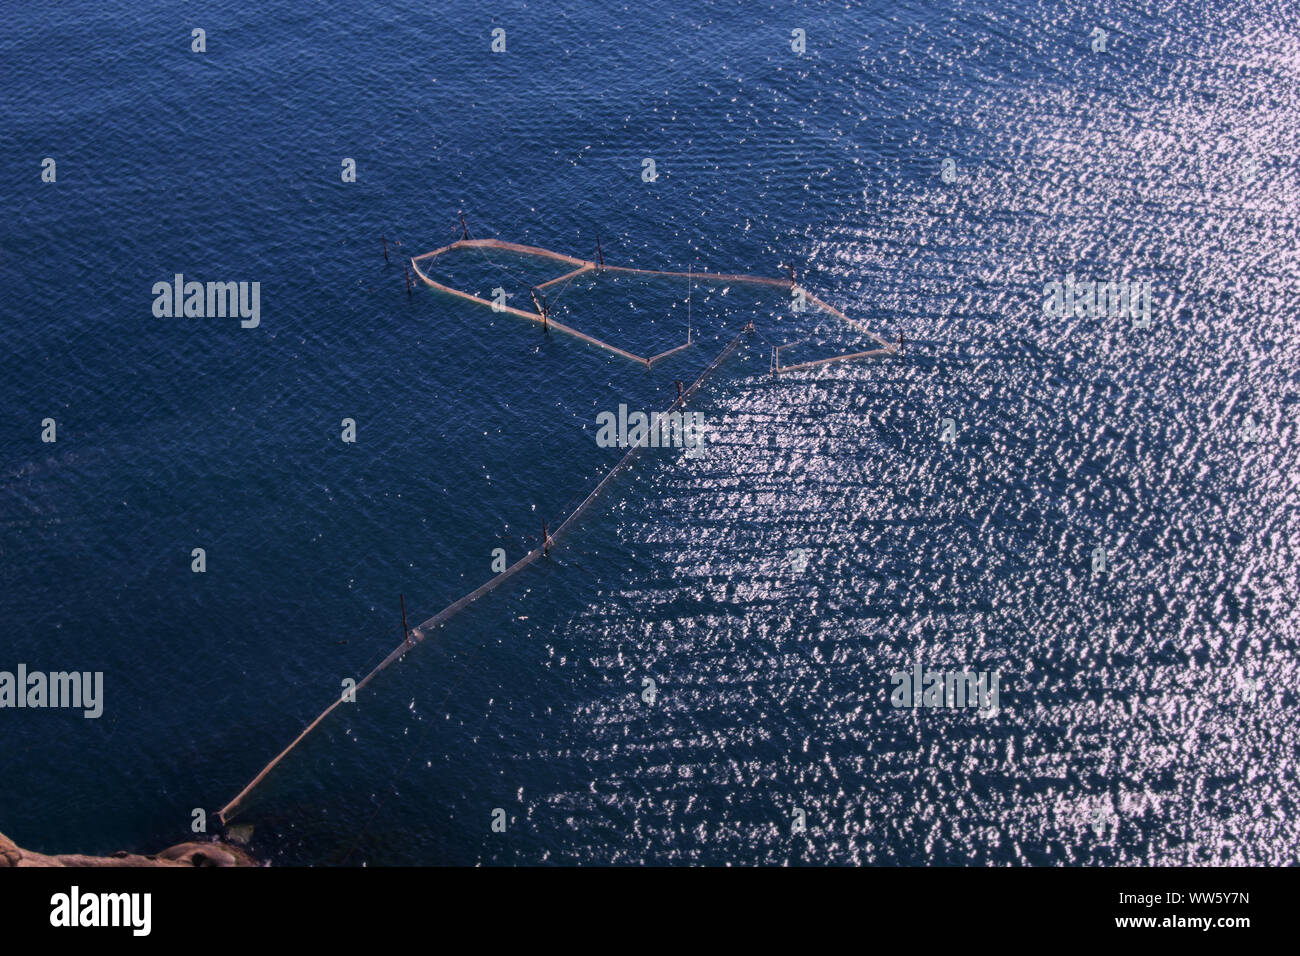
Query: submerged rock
point(240, 833)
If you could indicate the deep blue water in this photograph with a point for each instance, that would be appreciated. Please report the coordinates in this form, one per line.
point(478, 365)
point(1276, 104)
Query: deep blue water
point(1157, 696)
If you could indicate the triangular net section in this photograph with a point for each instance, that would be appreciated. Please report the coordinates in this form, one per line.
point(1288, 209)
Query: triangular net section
point(643, 315)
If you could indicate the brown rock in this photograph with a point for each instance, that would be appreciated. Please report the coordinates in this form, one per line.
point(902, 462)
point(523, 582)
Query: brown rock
point(206, 854)
point(183, 854)
point(9, 852)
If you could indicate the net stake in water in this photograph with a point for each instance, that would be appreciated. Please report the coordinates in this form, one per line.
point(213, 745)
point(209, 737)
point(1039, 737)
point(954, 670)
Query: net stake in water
point(406, 631)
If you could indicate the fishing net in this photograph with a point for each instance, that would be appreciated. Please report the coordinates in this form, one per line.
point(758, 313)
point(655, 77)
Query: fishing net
point(642, 315)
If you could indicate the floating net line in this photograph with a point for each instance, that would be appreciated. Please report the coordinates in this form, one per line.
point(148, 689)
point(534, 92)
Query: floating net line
point(541, 313)
point(423, 631)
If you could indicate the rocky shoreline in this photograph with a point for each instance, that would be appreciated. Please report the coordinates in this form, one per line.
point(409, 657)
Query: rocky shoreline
point(183, 854)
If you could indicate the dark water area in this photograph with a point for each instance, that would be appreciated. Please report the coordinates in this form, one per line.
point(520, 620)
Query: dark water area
point(828, 536)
